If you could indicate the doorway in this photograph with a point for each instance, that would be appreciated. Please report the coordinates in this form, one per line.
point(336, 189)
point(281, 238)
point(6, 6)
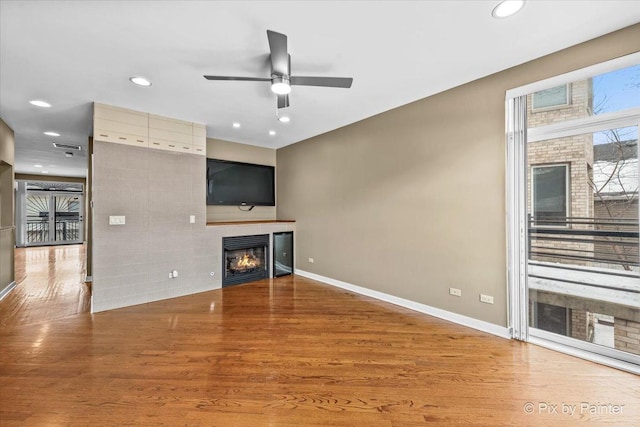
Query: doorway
point(49, 213)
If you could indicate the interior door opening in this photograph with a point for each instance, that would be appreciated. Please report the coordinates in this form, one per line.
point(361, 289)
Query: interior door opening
point(49, 213)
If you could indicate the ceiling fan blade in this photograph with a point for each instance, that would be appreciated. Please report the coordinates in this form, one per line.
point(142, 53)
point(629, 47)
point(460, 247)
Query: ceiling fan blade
point(244, 79)
point(283, 101)
point(344, 82)
point(279, 55)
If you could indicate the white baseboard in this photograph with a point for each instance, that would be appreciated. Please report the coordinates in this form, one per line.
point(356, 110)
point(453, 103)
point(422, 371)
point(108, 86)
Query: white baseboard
point(470, 322)
point(7, 289)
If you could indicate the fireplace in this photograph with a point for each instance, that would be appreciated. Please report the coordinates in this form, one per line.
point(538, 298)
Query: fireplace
point(245, 259)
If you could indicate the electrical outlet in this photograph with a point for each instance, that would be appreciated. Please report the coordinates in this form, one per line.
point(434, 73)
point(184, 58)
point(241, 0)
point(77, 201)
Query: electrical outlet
point(455, 292)
point(311, 260)
point(486, 298)
point(175, 273)
point(192, 219)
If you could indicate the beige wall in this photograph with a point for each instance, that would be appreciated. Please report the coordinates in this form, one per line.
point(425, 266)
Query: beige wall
point(412, 201)
point(7, 218)
point(225, 150)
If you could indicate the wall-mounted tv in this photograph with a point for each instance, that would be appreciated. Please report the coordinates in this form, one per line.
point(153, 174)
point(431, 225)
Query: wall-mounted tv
point(240, 184)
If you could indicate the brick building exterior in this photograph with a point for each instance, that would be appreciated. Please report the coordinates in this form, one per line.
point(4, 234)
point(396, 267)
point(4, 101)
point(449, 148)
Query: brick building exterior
point(576, 152)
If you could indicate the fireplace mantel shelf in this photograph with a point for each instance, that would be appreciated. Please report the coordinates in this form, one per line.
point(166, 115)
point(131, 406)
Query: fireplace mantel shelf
point(264, 221)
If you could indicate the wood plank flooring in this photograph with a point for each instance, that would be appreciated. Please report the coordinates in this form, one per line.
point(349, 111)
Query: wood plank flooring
point(50, 285)
point(292, 352)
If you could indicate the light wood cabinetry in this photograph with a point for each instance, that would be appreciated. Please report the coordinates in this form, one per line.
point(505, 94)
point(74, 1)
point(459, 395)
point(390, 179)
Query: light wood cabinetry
point(170, 134)
point(120, 126)
point(123, 126)
point(200, 139)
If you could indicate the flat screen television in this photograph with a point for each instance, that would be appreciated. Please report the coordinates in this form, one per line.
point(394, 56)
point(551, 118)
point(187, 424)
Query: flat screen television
point(240, 184)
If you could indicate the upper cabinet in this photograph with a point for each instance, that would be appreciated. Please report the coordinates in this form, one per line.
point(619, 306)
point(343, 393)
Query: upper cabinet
point(119, 125)
point(200, 139)
point(122, 126)
point(170, 134)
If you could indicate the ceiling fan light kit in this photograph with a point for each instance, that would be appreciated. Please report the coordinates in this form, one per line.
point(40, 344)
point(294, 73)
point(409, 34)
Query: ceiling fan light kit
point(281, 78)
point(280, 85)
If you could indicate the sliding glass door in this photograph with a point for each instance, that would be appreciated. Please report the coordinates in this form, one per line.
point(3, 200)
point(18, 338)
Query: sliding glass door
point(582, 238)
point(573, 202)
point(52, 218)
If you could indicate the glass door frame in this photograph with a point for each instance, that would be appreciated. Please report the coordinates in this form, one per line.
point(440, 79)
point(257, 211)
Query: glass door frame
point(517, 137)
point(52, 218)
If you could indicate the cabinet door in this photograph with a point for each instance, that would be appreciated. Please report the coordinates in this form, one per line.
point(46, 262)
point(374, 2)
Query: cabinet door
point(125, 128)
point(171, 125)
point(177, 134)
point(120, 115)
point(199, 139)
point(120, 126)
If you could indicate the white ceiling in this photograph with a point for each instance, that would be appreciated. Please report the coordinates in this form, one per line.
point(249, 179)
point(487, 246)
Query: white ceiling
point(72, 53)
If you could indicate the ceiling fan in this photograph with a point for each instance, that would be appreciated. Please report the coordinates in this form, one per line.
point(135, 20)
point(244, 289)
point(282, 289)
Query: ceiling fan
point(281, 78)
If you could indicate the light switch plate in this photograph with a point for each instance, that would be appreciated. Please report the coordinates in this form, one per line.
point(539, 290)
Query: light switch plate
point(192, 219)
point(116, 220)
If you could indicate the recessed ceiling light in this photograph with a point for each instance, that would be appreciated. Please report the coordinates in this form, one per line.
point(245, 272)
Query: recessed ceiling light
point(44, 171)
point(40, 103)
point(507, 8)
point(272, 132)
point(52, 133)
point(140, 81)
point(37, 166)
point(236, 125)
point(284, 119)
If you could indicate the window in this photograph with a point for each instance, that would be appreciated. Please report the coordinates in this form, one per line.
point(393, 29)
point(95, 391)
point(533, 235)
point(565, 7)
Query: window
point(549, 195)
point(555, 97)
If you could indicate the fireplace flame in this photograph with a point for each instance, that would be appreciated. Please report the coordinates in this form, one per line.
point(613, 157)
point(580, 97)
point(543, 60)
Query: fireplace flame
point(247, 261)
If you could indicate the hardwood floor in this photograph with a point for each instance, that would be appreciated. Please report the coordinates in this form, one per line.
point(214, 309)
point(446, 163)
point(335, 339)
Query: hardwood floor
point(291, 352)
point(50, 285)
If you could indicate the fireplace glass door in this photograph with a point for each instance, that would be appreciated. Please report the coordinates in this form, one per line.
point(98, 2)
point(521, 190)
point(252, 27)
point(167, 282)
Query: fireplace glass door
point(246, 258)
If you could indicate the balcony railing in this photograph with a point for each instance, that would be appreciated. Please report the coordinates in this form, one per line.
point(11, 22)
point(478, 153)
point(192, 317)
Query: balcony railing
point(37, 231)
point(66, 230)
point(582, 277)
point(594, 242)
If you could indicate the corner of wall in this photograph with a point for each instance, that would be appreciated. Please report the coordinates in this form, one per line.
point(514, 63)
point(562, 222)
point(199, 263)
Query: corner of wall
point(7, 206)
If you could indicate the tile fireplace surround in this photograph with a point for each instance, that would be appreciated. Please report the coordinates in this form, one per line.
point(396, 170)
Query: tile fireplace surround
point(217, 230)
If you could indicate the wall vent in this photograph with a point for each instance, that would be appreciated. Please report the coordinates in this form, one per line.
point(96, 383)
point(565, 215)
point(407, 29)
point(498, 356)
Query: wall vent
point(67, 146)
